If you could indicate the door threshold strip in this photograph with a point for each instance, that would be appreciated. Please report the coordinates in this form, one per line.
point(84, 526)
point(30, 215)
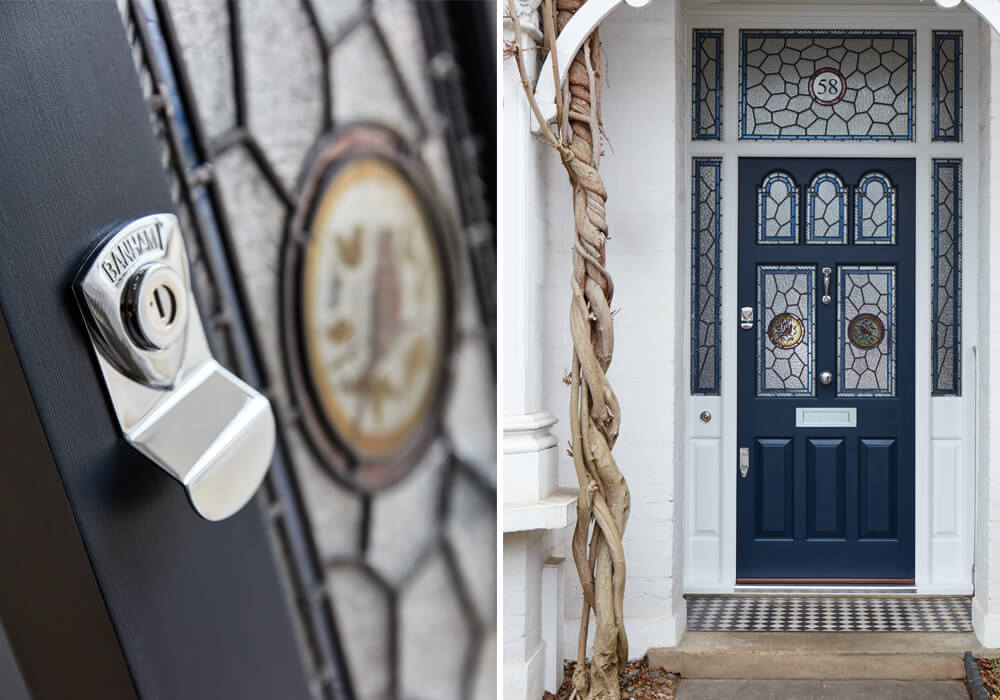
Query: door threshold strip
point(821, 590)
point(774, 613)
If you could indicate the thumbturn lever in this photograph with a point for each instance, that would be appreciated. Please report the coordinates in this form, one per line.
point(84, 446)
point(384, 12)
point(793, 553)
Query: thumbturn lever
point(174, 402)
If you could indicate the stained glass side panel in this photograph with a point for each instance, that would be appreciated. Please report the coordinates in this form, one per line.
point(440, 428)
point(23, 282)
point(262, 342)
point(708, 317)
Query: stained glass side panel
point(946, 324)
point(705, 259)
point(875, 210)
point(785, 352)
point(866, 331)
point(778, 209)
point(947, 86)
point(707, 81)
point(827, 210)
point(786, 90)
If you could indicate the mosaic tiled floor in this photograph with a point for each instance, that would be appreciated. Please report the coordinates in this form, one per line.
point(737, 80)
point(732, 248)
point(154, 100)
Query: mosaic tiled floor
point(752, 613)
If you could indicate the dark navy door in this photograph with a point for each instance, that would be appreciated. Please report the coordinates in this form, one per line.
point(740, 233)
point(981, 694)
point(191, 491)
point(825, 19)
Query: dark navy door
point(825, 381)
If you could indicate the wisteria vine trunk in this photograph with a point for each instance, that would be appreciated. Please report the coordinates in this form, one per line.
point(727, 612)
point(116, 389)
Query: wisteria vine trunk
point(603, 503)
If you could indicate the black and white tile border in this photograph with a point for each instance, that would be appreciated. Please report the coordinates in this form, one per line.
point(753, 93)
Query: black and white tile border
point(752, 613)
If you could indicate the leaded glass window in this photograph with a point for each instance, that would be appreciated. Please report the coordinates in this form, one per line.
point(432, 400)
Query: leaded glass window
point(778, 209)
point(393, 587)
point(705, 261)
point(856, 85)
point(947, 86)
point(827, 210)
point(707, 82)
point(946, 322)
point(866, 331)
point(787, 330)
point(875, 210)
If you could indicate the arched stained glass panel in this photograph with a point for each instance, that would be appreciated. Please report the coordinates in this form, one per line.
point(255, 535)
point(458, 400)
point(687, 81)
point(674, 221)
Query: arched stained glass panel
point(875, 210)
point(827, 210)
point(778, 209)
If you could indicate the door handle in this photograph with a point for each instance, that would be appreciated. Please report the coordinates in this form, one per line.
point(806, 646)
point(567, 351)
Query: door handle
point(744, 462)
point(826, 284)
point(174, 402)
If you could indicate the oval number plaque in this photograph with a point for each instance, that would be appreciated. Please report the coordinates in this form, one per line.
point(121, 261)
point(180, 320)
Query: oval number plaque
point(827, 86)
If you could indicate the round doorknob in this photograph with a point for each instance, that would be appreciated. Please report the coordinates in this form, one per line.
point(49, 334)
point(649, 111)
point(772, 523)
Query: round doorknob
point(825, 378)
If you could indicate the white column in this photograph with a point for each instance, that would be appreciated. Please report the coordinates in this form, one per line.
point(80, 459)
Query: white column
point(529, 464)
point(532, 502)
point(986, 604)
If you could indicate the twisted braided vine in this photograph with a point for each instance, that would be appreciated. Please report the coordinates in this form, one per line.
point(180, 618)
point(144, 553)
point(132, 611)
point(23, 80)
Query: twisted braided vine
point(603, 503)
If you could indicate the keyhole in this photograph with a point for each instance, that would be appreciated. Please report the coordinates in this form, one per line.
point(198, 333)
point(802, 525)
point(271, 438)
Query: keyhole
point(166, 305)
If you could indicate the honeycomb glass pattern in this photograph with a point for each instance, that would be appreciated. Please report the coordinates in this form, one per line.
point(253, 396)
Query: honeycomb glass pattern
point(787, 330)
point(866, 334)
point(775, 98)
point(827, 210)
point(947, 86)
point(946, 325)
point(778, 209)
point(875, 210)
point(705, 258)
point(707, 80)
point(393, 591)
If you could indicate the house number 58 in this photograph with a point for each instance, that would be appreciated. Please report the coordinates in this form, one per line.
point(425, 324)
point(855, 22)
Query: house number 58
point(827, 86)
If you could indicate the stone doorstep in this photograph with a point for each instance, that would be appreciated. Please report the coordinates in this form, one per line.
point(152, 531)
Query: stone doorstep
point(898, 656)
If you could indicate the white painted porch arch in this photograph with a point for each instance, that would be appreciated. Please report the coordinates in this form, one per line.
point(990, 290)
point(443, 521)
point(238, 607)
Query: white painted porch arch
point(593, 12)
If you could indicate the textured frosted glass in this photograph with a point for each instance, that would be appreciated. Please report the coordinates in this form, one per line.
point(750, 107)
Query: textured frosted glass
point(877, 68)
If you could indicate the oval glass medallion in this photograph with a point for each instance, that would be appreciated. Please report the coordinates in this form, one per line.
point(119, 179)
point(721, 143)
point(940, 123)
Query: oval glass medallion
point(865, 330)
point(366, 284)
point(785, 330)
point(373, 312)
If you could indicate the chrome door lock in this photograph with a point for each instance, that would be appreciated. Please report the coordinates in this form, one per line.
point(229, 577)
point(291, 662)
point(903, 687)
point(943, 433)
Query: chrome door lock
point(174, 402)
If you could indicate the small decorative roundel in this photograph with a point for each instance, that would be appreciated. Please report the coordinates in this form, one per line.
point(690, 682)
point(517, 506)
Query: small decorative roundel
point(368, 308)
point(865, 331)
point(785, 330)
point(827, 86)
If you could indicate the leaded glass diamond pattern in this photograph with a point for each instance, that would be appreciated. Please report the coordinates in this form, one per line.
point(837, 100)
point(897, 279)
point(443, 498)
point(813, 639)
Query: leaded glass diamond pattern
point(866, 332)
point(778, 209)
point(947, 286)
point(827, 201)
point(785, 293)
point(707, 81)
point(705, 254)
point(775, 71)
point(875, 210)
point(947, 86)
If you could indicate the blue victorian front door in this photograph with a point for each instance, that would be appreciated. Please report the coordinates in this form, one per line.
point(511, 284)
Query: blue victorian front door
point(825, 383)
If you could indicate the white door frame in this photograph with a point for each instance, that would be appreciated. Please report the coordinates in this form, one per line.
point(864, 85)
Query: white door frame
point(945, 426)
